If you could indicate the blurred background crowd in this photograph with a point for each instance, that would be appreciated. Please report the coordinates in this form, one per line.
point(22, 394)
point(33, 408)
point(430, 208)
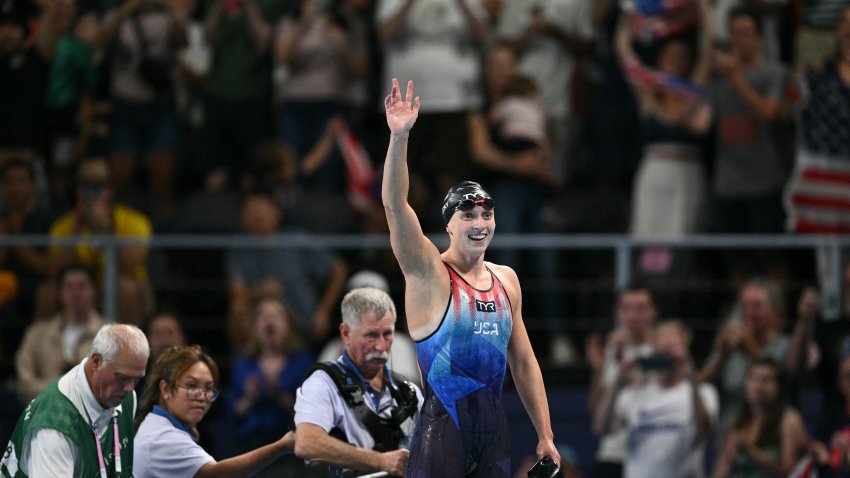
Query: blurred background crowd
point(652, 119)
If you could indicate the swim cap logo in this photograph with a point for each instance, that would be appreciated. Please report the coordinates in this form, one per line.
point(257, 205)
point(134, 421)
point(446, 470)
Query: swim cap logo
point(462, 191)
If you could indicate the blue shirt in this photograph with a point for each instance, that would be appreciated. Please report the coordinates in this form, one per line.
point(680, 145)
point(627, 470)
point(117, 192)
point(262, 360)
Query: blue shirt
point(267, 414)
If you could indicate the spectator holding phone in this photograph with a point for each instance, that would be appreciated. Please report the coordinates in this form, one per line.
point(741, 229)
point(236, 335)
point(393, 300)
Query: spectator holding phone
point(636, 315)
point(320, 58)
point(95, 213)
point(666, 414)
point(143, 37)
point(238, 87)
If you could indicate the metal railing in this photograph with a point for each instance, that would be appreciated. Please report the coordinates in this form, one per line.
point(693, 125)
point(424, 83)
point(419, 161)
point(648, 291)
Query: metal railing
point(828, 249)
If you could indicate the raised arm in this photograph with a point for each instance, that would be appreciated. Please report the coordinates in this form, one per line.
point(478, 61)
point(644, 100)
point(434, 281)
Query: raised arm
point(416, 255)
point(329, 299)
point(213, 21)
point(392, 28)
point(48, 32)
point(477, 29)
point(803, 353)
point(630, 63)
point(702, 64)
point(533, 164)
point(110, 27)
point(605, 417)
point(767, 107)
point(261, 31)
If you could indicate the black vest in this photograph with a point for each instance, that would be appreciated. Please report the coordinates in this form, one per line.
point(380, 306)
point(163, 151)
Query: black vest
point(386, 432)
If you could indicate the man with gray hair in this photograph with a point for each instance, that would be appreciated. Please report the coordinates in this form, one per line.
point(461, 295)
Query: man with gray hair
point(754, 330)
point(82, 425)
point(356, 400)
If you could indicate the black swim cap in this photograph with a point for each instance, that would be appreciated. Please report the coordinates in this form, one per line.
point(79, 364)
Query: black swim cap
point(459, 192)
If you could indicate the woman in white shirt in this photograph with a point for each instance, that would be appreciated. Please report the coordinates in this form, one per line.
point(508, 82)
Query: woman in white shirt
point(179, 392)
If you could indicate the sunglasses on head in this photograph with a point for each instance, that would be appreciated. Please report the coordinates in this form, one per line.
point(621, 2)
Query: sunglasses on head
point(469, 204)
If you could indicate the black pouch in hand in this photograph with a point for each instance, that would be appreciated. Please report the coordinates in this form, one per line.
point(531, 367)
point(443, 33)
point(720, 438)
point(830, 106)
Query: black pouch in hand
point(155, 73)
point(545, 468)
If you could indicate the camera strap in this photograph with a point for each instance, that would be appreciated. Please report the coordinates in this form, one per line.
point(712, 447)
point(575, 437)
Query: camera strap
point(386, 432)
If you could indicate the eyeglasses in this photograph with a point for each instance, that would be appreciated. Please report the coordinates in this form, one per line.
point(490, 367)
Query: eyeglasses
point(469, 204)
point(194, 392)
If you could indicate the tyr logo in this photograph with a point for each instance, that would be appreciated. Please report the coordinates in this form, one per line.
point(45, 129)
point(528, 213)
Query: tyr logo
point(482, 306)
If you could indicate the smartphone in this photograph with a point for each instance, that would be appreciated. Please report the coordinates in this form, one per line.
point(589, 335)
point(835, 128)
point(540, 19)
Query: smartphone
point(91, 190)
point(545, 468)
point(656, 362)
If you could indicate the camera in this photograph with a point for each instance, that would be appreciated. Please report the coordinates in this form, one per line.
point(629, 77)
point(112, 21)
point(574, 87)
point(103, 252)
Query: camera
point(656, 362)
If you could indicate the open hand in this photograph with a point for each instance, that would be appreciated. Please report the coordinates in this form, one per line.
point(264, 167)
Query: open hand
point(401, 115)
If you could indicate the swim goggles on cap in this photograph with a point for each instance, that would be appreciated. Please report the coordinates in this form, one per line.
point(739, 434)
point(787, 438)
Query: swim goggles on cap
point(469, 204)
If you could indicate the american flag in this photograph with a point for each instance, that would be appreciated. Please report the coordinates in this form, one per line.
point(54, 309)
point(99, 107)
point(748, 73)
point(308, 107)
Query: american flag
point(641, 75)
point(818, 195)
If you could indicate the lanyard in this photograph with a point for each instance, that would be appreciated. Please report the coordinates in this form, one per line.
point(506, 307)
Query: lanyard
point(375, 395)
point(116, 445)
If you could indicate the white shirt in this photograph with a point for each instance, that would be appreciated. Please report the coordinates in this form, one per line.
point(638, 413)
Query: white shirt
point(436, 50)
point(612, 447)
point(47, 452)
point(162, 450)
point(318, 402)
point(71, 335)
point(661, 426)
point(545, 59)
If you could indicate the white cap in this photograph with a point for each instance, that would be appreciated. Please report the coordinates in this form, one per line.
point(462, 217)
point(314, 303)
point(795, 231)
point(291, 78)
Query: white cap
point(367, 278)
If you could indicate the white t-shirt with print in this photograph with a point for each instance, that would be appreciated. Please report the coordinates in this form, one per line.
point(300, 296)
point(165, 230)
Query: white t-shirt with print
point(661, 429)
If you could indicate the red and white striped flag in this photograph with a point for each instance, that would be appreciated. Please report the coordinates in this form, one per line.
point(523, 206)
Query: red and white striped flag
point(359, 171)
point(818, 195)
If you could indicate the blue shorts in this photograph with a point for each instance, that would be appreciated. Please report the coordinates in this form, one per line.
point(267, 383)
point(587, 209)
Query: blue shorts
point(143, 127)
point(481, 448)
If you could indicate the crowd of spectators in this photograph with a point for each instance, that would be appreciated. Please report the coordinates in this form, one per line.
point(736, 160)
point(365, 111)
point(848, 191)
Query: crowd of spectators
point(144, 117)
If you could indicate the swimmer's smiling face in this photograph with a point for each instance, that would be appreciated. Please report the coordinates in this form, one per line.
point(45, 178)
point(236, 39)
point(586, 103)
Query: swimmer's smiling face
point(469, 215)
point(473, 228)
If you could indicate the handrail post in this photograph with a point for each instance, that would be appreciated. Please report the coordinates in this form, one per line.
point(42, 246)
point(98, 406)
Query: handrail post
point(110, 279)
point(836, 297)
point(623, 264)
